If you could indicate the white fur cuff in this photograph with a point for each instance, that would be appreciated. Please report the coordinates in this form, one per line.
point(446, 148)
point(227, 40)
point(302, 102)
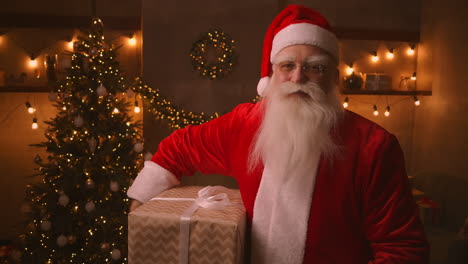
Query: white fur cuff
point(151, 181)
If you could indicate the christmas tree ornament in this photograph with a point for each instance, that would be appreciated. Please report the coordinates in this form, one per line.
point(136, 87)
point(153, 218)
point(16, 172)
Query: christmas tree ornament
point(101, 90)
point(63, 200)
point(93, 51)
point(89, 207)
point(138, 147)
point(90, 184)
point(114, 186)
point(71, 239)
point(105, 246)
point(78, 121)
point(52, 97)
point(115, 254)
point(46, 225)
point(148, 156)
point(61, 241)
point(37, 159)
point(130, 93)
point(92, 144)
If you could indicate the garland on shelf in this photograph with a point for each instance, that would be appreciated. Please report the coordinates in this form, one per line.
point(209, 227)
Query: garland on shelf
point(226, 57)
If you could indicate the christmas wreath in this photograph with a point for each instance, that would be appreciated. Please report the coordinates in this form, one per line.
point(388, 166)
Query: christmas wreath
point(213, 55)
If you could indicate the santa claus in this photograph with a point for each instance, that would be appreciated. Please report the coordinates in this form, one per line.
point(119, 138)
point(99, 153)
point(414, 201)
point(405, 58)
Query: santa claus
point(319, 184)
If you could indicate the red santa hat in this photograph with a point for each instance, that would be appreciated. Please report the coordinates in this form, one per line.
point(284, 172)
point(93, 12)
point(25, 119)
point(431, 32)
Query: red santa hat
point(295, 25)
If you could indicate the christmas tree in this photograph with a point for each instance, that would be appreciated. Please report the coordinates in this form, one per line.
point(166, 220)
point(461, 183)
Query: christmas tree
point(79, 208)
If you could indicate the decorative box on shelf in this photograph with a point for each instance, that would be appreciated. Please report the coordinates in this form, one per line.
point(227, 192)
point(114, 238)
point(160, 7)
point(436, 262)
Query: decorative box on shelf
point(189, 224)
point(377, 82)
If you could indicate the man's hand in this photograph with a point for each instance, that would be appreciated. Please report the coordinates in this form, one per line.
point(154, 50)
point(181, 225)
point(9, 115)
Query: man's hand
point(135, 204)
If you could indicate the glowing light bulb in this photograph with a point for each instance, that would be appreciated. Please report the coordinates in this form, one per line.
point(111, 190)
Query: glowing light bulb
point(34, 124)
point(411, 50)
point(31, 109)
point(132, 41)
point(116, 111)
point(376, 112)
point(137, 108)
point(416, 101)
point(32, 62)
point(390, 54)
point(350, 69)
point(413, 77)
point(345, 103)
point(375, 58)
point(387, 111)
point(70, 44)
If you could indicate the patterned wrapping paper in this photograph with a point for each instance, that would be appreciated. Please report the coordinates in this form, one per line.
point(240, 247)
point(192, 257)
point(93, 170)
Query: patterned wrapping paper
point(216, 236)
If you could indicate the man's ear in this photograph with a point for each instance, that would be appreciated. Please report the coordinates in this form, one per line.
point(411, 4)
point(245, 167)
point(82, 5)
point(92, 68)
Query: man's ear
point(337, 76)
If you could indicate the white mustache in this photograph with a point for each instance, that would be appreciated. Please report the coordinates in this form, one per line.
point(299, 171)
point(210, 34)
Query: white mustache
point(311, 89)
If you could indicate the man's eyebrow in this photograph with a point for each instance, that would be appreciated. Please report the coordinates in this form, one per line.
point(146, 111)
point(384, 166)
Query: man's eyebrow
point(284, 58)
point(323, 59)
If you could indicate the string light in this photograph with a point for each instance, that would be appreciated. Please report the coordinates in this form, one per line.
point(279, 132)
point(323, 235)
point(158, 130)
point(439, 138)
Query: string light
point(411, 50)
point(137, 108)
point(375, 58)
point(387, 111)
point(414, 76)
point(376, 112)
point(390, 54)
point(416, 101)
point(116, 110)
point(132, 40)
point(345, 103)
point(350, 69)
point(31, 110)
point(71, 44)
point(34, 123)
point(32, 62)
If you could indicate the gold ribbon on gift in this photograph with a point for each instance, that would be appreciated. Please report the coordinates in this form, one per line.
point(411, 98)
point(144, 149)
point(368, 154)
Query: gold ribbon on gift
point(210, 197)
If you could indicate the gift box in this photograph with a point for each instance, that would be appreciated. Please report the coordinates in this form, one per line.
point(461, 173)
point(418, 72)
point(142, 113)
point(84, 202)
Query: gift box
point(189, 224)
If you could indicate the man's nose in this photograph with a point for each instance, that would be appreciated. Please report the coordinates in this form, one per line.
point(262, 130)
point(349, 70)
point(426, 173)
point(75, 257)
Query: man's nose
point(298, 75)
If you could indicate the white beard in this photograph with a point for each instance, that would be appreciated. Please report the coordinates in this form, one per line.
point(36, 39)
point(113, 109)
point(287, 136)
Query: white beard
point(297, 122)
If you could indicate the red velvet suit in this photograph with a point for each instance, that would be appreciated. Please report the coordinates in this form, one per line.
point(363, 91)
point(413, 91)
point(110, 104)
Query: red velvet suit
point(362, 210)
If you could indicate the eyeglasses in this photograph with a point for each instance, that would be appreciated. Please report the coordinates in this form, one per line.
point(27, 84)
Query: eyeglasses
point(307, 68)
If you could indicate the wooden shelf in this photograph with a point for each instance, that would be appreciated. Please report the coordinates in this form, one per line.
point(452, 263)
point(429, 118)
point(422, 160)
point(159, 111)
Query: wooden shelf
point(24, 89)
point(9, 20)
point(387, 92)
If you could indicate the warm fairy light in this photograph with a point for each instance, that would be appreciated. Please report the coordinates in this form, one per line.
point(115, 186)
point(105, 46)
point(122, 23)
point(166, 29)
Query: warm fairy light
point(387, 111)
point(375, 58)
point(411, 50)
point(345, 103)
point(31, 109)
point(416, 101)
point(34, 124)
point(413, 77)
point(350, 69)
point(132, 40)
point(376, 112)
point(137, 108)
point(32, 62)
point(70, 44)
point(390, 54)
point(116, 110)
